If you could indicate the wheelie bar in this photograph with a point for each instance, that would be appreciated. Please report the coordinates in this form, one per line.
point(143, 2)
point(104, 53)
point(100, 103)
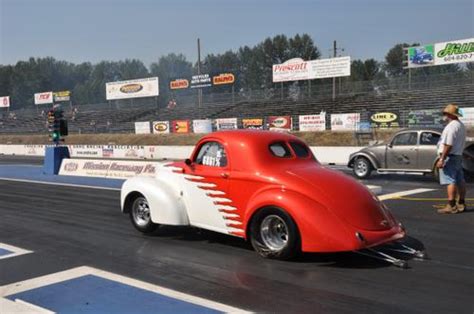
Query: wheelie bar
point(383, 257)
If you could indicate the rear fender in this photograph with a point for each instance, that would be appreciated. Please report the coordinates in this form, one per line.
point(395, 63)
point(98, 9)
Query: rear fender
point(320, 230)
point(165, 201)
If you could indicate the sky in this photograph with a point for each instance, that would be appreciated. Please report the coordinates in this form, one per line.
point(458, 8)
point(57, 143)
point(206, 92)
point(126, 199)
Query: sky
point(95, 30)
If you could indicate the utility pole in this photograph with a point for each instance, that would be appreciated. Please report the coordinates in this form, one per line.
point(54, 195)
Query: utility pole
point(199, 71)
point(334, 79)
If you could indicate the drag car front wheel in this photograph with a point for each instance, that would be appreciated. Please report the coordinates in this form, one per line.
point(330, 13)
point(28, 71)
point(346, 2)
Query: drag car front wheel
point(140, 215)
point(274, 234)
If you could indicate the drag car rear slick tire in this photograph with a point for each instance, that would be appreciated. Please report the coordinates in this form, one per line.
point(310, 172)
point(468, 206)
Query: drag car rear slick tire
point(365, 163)
point(147, 226)
point(293, 244)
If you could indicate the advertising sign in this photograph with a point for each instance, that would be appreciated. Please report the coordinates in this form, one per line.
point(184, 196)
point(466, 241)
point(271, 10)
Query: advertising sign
point(223, 78)
point(201, 80)
point(43, 98)
point(279, 123)
point(421, 56)
point(312, 123)
point(179, 84)
point(202, 126)
point(146, 87)
point(298, 69)
point(345, 121)
point(455, 51)
point(4, 101)
point(180, 126)
point(142, 127)
point(384, 120)
point(161, 127)
point(64, 95)
point(467, 116)
point(425, 118)
point(256, 124)
point(106, 168)
point(226, 124)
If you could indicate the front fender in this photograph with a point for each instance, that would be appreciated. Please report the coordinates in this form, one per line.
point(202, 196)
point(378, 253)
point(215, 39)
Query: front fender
point(319, 228)
point(166, 203)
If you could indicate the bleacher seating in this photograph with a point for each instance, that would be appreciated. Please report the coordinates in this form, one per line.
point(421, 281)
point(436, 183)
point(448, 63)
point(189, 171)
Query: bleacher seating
point(103, 118)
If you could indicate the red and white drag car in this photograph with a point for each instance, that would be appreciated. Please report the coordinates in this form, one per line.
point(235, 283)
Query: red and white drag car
point(266, 187)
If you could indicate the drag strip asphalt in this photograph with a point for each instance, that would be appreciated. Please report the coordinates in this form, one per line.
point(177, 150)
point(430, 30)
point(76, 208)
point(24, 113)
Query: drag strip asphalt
point(68, 227)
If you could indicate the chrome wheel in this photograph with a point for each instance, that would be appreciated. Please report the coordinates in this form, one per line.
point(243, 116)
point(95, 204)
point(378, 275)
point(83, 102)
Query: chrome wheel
point(274, 232)
point(141, 212)
point(362, 168)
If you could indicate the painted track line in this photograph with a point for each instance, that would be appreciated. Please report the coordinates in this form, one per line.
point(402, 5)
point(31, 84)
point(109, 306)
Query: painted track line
point(61, 184)
point(403, 193)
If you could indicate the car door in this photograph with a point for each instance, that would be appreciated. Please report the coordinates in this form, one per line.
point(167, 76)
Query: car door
point(209, 184)
point(402, 152)
point(427, 150)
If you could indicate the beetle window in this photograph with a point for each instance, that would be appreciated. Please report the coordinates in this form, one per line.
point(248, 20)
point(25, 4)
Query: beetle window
point(429, 138)
point(212, 154)
point(405, 139)
point(300, 150)
point(280, 150)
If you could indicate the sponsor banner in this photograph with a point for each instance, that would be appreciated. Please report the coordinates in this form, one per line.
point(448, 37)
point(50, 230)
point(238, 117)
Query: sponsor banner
point(226, 124)
point(256, 124)
point(43, 98)
point(107, 168)
point(161, 127)
point(425, 118)
point(146, 87)
point(202, 126)
point(345, 121)
point(455, 51)
point(421, 56)
point(64, 95)
point(180, 126)
point(333, 67)
point(179, 84)
point(467, 116)
point(142, 127)
point(312, 123)
point(223, 79)
point(384, 120)
point(5, 102)
point(298, 69)
point(107, 151)
point(201, 80)
point(279, 123)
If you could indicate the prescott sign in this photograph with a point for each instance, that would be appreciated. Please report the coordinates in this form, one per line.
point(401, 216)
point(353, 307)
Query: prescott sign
point(297, 69)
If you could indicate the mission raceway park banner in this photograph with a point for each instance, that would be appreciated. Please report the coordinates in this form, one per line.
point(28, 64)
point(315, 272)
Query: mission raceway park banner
point(456, 51)
point(146, 87)
point(345, 121)
point(107, 168)
point(43, 98)
point(297, 69)
point(142, 127)
point(202, 126)
point(226, 124)
point(161, 127)
point(279, 123)
point(4, 101)
point(255, 124)
point(313, 122)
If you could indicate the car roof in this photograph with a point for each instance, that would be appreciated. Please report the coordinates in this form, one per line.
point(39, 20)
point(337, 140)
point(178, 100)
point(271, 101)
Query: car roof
point(418, 129)
point(251, 136)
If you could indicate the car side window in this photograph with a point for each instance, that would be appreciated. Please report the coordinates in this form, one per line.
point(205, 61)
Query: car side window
point(280, 149)
point(405, 139)
point(300, 150)
point(429, 138)
point(212, 154)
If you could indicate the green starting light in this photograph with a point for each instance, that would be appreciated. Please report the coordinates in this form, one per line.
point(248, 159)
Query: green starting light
point(55, 136)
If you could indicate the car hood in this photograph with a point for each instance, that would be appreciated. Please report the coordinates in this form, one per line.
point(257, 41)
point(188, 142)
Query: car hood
point(347, 198)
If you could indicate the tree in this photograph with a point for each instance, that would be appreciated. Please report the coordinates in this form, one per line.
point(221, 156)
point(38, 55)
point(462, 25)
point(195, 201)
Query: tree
point(169, 67)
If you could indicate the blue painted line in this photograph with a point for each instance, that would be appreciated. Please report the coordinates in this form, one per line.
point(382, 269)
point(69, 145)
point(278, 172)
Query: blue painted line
point(29, 172)
point(4, 252)
point(96, 295)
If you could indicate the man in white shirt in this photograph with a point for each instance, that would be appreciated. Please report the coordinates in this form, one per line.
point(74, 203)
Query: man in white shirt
point(451, 146)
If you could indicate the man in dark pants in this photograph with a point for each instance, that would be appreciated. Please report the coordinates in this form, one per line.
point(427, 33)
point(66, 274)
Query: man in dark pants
point(451, 146)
